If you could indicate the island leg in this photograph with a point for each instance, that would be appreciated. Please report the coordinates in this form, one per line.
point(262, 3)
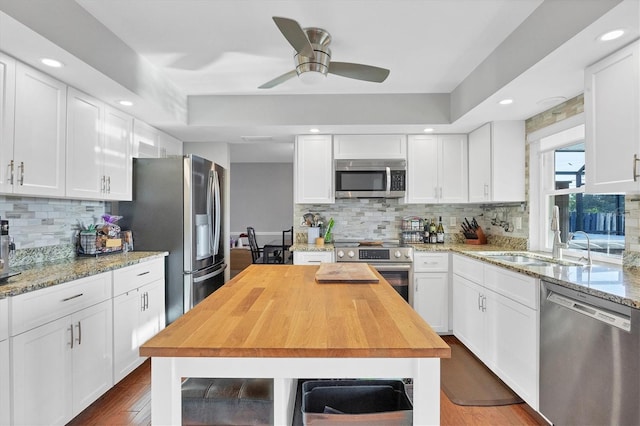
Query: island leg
point(426, 391)
point(166, 402)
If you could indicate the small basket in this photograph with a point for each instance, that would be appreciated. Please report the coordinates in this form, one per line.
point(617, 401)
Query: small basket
point(88, 240)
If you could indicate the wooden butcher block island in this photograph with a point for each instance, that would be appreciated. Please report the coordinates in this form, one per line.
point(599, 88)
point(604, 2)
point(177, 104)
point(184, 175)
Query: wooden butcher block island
point(276, 321)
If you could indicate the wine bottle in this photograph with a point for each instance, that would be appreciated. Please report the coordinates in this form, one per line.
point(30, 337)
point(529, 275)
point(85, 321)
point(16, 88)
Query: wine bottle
point(440, 232)
point(425, 235)
point(433, 235)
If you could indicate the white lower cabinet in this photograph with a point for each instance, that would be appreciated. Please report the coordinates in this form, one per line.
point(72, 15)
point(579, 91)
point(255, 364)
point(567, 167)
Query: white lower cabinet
point(61, 367)
point(312, 257)
point(138, 312)
point(431, 289)
point(499, 322)
point(5, 371)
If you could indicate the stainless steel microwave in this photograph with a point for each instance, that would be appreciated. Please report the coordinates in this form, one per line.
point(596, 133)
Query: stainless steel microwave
point(370, 178)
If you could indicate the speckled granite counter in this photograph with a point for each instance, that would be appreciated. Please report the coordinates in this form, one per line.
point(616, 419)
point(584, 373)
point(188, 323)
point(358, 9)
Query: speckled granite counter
point(310, 247)
point(604, 280)
point(41, 275)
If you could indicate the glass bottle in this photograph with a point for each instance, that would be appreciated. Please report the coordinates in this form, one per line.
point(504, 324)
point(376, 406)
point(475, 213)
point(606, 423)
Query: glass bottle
point(440, 232)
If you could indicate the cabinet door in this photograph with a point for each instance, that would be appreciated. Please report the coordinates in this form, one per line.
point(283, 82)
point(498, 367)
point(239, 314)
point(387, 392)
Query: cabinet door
point(369, 147)
point(313, 170)
point(453, 169)
point(612, 123)
point(507, 161)
point(422, 169)
point(39, 145)
point(145, 140)
point(117, 159)
point(168, 145)
point(92, 354)
point(514, 330)
point(480, 164)
point(5, 388)
point(43, 374)
point(152, 317)
point(126, 312)
point(85, 119)
point(7, 108)
point(468, 317)
point(431, 299)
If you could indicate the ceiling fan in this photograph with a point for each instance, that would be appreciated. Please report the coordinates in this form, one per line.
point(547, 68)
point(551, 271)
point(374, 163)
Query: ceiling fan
point(313, 54)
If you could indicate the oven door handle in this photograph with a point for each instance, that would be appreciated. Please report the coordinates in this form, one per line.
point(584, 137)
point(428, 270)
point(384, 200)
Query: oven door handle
point(395, 267)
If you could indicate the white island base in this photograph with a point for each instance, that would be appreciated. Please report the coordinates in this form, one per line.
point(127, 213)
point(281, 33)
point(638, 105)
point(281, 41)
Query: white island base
point(167, 374)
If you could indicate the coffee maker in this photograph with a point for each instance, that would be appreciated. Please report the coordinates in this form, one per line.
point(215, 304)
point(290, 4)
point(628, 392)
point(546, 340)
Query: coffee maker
point(6, 246)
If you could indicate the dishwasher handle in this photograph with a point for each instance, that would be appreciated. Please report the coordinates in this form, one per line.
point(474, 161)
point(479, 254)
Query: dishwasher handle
point(613, 319)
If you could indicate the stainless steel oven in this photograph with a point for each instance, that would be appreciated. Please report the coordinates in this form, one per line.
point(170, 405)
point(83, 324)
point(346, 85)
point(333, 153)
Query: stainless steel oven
point(393, 261)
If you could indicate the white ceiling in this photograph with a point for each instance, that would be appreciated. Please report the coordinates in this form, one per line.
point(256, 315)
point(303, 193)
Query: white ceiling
point(192, 67)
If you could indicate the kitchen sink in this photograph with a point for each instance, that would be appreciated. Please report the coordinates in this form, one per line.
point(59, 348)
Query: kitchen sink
point(528, 259)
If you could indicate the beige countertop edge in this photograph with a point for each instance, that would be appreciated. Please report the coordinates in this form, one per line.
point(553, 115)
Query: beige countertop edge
point(47, 274)
point(311, 247)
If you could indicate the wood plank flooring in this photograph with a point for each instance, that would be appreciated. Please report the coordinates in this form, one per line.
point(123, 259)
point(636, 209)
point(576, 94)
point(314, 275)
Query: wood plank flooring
point(129, 403)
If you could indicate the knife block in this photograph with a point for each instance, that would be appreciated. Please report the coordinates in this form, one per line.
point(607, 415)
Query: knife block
point(482, 239)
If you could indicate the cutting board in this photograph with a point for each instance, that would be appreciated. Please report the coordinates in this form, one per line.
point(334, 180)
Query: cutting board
point(345, 273)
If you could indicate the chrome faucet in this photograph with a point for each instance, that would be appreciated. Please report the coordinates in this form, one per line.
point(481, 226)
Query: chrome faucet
point(588, 259)
point(556, 251)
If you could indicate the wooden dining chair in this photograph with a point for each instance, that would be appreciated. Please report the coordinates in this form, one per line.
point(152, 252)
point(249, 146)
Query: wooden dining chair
point(259, 254)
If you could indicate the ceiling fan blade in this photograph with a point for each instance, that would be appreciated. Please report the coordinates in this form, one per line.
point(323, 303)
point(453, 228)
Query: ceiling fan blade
point(279, 80)
point(359, 71)
point(295, 35)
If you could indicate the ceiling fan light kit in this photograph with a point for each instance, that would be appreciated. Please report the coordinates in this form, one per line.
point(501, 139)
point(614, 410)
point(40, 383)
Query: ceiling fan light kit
point(313, 57)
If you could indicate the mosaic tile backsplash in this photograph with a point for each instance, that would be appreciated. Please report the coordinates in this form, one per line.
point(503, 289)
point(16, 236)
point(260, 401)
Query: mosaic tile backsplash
point(376, 219)
point(43, 228)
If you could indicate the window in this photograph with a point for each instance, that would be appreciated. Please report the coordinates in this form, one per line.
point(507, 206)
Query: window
point(600, 216)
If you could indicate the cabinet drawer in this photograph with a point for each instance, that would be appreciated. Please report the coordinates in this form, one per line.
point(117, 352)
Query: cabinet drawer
point(432, 262)
point(134, 276)
point(38, 307)
point(4, 319)
point(312, 258)
point(518, 287)
point(468, 268)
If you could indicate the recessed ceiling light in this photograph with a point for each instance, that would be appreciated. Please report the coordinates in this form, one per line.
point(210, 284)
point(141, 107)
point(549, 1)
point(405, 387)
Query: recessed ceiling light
point(428, 129)
point(314, 130)
point(125, 103)
point(506, 102)
point(51, 62)
point(611, 35)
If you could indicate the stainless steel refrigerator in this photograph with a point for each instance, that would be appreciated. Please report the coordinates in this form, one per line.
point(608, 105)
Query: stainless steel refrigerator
point(178, 207)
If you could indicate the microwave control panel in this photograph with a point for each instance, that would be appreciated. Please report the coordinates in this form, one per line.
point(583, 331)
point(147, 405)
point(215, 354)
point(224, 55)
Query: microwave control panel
point(397, 180)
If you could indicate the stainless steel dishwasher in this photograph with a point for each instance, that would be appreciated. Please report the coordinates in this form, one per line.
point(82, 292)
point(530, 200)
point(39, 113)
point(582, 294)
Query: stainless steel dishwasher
point(589, 359)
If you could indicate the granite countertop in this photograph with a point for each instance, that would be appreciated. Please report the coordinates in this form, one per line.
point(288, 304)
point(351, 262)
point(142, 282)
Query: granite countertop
point(46, 274)
point(311, 247)
point(604, 280)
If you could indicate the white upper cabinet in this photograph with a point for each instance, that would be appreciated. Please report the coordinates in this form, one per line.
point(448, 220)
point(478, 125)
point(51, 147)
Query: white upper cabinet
point(168, 145)
point(437, 169)
point(497, 162)
point(38, 163)
point(7, 102)
point(369, 147)
point(612, 122)
point(313, 170)
point(145, 140)
point(98, 149)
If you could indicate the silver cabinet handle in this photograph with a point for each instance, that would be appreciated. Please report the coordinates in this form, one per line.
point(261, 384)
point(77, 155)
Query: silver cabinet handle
point(635, 167)
point(11, 165)
point(72, 297)
point(142, 302)
point(102, 185)
point(21, 173)
point(479, 302)
point(108, 184)
point(71, 328)
point(143, 273)
point(146, 300)
point(484, 303)
point(79, 339)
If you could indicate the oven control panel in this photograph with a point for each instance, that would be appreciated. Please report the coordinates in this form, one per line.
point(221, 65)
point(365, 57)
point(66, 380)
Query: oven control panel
point(373, 254)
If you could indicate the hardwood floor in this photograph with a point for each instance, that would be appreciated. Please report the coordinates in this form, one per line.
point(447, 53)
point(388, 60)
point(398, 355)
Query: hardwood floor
point(129, 403)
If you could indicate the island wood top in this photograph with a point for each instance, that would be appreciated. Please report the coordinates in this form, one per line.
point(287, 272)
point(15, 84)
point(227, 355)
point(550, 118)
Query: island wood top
point(281, 311)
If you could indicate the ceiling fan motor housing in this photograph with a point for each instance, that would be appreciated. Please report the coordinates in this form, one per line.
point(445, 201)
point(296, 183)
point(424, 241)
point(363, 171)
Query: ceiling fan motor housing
point(319, 40)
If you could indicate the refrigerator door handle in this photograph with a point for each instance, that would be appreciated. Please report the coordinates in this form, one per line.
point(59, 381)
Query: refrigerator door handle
point(217, 212)
point(210, 275)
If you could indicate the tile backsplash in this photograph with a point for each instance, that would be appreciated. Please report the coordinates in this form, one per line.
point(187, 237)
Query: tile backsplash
point(381, 219)
point(45, 227)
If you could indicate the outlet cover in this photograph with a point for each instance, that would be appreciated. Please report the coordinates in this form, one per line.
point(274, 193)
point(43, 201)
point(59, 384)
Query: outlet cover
point(518, 222)
point(452, 221)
